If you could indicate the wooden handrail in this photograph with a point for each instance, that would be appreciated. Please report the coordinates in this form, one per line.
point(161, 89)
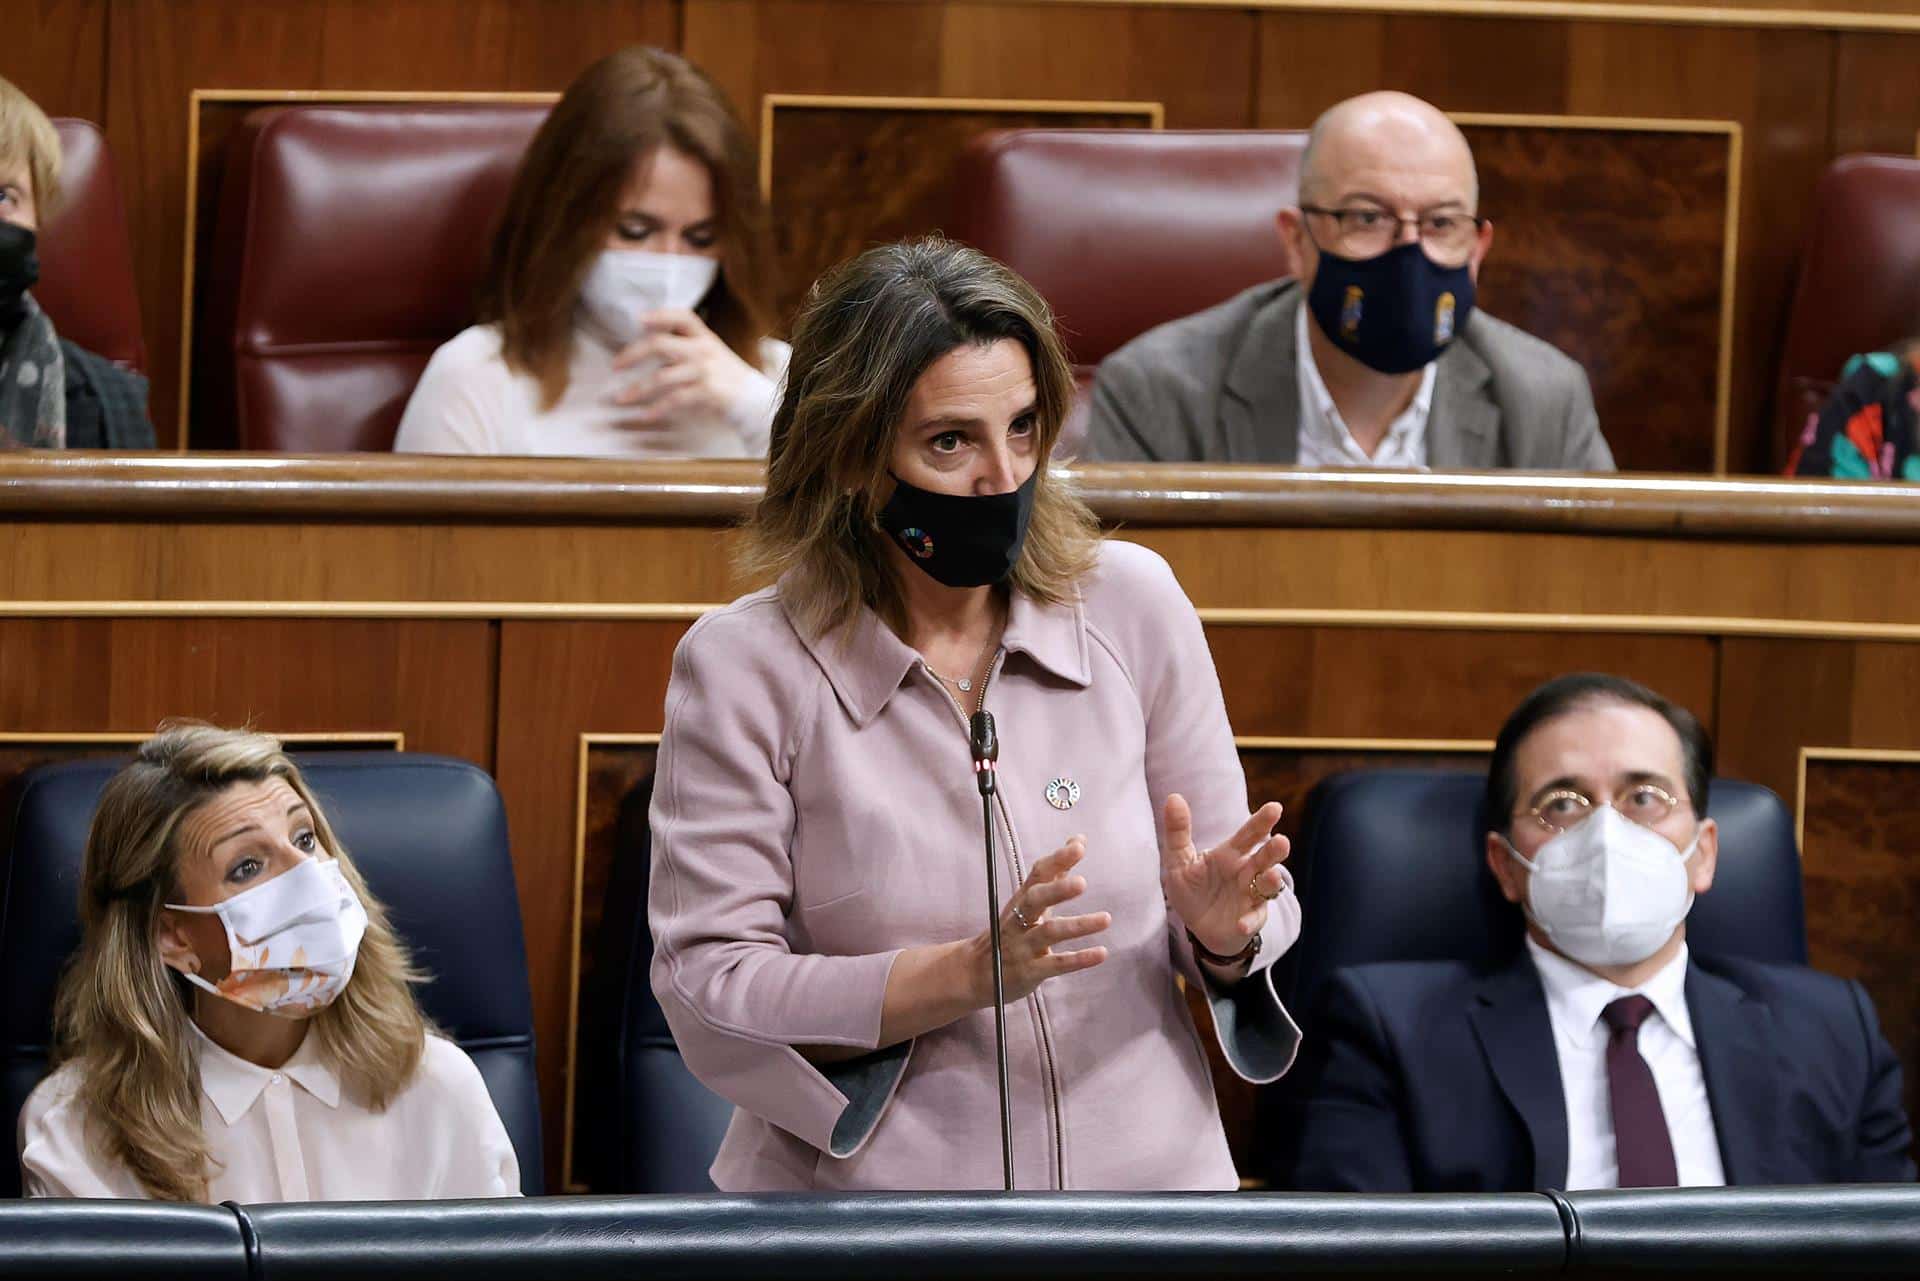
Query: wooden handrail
point(388, 488)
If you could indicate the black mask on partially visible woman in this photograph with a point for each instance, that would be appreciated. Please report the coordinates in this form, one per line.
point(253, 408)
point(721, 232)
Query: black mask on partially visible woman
point(19, 271)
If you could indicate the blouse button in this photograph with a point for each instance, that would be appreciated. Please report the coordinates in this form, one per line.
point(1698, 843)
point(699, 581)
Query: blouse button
point(276, 1078)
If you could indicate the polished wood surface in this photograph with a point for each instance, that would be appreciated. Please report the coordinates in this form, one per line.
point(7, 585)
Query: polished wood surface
point(846, 175)
point(1802, 88)
point(555, 683)
point(1610, 244)
point(1863, 887)
point(508, 611)
point(119, 488)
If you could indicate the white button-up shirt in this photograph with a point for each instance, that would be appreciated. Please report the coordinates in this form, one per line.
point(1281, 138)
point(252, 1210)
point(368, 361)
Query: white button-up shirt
point(1575, 997)
point(296, 1134)
point(1325, 440)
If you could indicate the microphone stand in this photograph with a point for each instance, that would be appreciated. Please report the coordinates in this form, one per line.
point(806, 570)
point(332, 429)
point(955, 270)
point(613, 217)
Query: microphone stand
point(986, 756)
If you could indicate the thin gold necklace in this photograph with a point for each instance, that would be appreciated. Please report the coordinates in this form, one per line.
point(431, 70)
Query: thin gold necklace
point(965, 683)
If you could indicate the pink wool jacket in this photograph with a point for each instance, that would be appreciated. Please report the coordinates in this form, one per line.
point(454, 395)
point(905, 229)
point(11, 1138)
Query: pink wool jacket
point(814, 812)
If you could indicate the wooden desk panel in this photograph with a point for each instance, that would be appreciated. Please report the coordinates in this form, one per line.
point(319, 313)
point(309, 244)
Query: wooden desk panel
point(518, 613)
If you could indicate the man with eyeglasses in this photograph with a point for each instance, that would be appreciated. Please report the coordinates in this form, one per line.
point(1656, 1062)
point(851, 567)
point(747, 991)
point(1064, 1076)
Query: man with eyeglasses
point(1604, 1054)
point(1372, 354)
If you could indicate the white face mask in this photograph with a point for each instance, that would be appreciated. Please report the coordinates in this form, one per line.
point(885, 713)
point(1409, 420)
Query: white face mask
point(1608, 891)
point(625, 284)
point(291, 942)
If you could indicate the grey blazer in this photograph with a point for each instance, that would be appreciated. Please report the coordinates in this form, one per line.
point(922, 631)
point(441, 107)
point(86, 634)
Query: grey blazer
point(1222, 386)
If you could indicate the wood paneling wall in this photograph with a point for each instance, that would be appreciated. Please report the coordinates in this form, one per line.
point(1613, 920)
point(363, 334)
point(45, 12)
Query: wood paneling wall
point(1802, 93)
point(520, 608)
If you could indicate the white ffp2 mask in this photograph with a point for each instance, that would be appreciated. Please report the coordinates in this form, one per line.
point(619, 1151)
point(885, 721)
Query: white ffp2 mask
point(291, 942)
point(1608, 891)
point(625, 284)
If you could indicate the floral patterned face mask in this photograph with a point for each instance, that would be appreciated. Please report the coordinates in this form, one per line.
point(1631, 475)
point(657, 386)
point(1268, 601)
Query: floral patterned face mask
point(291, 942)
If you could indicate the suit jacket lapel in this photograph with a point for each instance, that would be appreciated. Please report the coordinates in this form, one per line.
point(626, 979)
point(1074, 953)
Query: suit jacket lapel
point(1509, 1015)
point(1737, 1053)
point(1260, 409)
point(1463, 426)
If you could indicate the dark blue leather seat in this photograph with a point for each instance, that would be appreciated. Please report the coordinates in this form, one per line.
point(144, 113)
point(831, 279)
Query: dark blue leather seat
point(427, 832)
point(652, 1126)
point(1393, 868)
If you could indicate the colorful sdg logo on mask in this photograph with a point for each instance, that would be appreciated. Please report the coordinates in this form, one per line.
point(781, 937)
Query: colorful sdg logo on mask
point(1443, 319)
point(918, 542)
point(1351, 310)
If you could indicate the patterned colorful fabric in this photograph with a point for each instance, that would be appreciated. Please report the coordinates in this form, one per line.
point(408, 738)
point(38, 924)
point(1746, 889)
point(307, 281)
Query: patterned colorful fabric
point(1869, 429)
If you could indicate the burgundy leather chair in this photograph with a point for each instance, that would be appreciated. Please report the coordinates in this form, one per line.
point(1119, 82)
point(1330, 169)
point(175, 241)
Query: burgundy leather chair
point(1859, 287)
point(348, 244)
point(86, 258)
point(1124, 229)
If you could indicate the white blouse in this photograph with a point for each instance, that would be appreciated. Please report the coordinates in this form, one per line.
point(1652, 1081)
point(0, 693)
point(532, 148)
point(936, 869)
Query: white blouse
point(296, 1134)
point(469, 402)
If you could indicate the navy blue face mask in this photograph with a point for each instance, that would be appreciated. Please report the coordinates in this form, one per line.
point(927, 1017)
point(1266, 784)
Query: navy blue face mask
point(1393, 313)
point(962, 540)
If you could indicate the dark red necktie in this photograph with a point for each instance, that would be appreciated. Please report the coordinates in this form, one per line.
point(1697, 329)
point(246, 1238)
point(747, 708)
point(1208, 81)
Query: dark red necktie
point(1640, 1138)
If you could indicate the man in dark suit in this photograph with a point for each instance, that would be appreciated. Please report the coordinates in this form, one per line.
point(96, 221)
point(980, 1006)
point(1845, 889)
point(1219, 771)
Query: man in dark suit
point(1373, 354)
point(1604, 1054)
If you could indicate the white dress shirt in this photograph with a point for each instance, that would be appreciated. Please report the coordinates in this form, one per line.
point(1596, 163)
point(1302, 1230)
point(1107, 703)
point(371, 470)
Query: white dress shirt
point(1575, 997)
point(296, 1134)
point(469, 402)
point(1325, 440)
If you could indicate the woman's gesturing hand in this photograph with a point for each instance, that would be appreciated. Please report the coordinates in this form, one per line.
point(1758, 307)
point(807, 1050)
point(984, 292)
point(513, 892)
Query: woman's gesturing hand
point(693, 374)
point(1028, 933)
point(1222, 893)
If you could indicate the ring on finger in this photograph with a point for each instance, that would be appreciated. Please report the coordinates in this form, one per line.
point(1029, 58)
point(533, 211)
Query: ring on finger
point(1021, 917)
point(1253, 887)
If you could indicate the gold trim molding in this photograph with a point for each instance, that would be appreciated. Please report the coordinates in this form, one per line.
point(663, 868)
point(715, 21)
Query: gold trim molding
point(1218, 616)
point(1699, 15)
point(1260, 743)
point(1866, 755)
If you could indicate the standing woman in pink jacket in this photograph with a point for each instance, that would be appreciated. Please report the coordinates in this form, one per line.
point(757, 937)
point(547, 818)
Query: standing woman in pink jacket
point(821, 947)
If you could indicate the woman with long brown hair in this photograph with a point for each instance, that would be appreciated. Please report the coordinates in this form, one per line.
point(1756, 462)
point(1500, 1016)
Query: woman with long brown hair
point(625, 310)
point(239, 1022)
point(822, 949)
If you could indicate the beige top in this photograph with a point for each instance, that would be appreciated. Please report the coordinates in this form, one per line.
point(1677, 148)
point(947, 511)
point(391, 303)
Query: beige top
point(296, 1134)
point(469, 402)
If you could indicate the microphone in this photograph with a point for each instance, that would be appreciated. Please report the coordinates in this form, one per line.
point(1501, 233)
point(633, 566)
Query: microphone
point(986, 758)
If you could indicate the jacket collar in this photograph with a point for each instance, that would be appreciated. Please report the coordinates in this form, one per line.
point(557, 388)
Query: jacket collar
point(233, 1084)
point(1509, 1015)
point(1463, 431)
point(1261, 410)
point(1740, 1060)
point(1577, 997)
point(866, 663)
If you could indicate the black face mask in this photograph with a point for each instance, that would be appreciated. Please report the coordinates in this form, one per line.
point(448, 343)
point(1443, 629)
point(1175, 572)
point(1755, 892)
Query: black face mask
point(1393, 313)
point(962, 540)
point(19, 270)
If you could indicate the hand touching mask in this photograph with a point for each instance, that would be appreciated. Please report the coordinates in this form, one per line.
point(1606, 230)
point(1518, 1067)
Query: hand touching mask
point(625, 284)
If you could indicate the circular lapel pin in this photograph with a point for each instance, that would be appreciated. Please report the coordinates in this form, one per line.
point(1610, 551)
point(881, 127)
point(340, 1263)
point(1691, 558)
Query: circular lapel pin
point(1063, 793)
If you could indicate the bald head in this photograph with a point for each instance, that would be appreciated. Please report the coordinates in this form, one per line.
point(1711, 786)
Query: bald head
point(1391, 147)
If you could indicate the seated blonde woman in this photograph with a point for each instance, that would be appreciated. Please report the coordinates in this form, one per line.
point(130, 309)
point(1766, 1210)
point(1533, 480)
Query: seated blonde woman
point(238, 1023)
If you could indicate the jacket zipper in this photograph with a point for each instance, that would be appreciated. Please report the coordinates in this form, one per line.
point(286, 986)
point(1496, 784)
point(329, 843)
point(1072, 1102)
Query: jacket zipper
point(1020, 873)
